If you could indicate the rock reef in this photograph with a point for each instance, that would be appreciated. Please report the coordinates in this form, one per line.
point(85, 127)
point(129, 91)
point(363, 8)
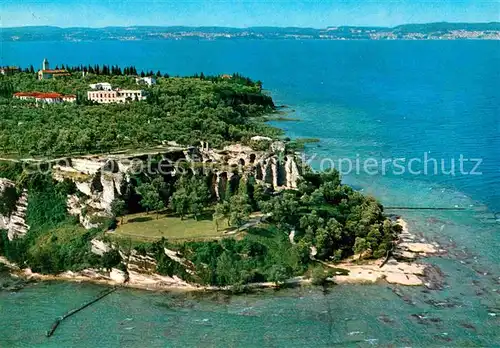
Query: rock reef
point(402, 268)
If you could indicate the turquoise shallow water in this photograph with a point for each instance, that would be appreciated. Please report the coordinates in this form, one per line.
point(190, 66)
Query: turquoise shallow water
point(372, 99)
point(347, 316)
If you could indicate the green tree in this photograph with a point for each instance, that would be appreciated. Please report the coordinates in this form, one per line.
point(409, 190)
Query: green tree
point(228, 192)
point(239, 210)
point(222, 211)
point(180, 201)
point(119, 208)
point(283, 209)
point(279, 273)
point(259, 195)
point(199, 196)
point(227, 269)
point(360, 245)
point(243, 187)
point(328, 238)
point(150, 198)
point(319, 276)
point(191, 196)
point(111, 259)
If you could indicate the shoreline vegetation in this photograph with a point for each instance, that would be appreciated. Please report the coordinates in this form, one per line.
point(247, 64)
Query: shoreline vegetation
point(242, 211)
point(407, 272)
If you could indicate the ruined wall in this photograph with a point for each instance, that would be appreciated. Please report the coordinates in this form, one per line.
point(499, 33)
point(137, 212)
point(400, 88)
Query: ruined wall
point(101, 179)
point(271, 168)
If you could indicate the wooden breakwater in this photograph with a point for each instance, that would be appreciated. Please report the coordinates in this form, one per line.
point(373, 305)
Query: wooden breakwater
point(76, 310)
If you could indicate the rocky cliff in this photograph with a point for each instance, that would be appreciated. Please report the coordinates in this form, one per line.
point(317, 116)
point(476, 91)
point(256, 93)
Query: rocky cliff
point(102, 179)
point(15, 221)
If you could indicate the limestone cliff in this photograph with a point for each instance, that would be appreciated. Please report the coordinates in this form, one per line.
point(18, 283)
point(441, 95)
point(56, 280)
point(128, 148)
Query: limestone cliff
point(102, 179)
point(15, 222)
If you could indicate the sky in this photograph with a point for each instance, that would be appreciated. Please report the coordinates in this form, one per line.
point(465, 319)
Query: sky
point(243, 13)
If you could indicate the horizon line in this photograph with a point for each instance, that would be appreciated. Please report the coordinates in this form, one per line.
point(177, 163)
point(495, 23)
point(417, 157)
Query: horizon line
point(230, 27)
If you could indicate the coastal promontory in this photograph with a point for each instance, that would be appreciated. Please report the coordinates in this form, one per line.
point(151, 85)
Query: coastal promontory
point(142, 178)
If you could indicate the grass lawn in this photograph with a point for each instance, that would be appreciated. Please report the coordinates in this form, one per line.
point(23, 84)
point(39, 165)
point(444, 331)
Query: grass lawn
point(146, 227)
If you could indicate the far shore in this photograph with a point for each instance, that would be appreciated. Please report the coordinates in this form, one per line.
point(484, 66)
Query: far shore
point(408, 273)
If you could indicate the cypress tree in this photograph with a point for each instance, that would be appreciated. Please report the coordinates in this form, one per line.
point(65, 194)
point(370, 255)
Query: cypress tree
point(228, 192)
point(243, 187)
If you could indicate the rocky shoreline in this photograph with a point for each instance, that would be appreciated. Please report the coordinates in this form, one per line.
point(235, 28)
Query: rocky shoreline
point(402, 268)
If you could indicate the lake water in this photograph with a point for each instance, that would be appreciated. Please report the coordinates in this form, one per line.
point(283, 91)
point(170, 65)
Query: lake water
point(362, 99)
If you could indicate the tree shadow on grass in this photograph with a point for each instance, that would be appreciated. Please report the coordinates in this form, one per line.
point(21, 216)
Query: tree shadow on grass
point(262, 232)
point(206, 215)
point(141, 219)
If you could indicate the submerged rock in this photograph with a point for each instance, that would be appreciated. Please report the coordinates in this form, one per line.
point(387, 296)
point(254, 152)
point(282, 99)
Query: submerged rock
point(435, 277)
point(424, 319)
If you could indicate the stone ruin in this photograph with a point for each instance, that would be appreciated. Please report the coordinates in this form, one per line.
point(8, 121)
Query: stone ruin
point(102, 179)
point(274, 169)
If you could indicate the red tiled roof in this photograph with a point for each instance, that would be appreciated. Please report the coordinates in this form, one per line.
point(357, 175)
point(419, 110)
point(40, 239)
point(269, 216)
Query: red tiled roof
point(23, 94)
point(39, 95)
point(48, 95)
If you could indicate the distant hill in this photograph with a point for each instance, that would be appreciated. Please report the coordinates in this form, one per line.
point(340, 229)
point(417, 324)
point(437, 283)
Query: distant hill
point(445, 26)
point(442, 30)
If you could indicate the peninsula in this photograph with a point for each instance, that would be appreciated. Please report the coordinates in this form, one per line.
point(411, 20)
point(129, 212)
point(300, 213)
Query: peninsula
point(146, 179)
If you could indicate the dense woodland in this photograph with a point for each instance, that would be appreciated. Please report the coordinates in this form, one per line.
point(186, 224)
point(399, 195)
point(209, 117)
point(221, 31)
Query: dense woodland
point(185, 110)
point(326, 215)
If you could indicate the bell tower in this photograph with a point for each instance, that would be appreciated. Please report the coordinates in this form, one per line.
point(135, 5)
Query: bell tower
point(45, 64)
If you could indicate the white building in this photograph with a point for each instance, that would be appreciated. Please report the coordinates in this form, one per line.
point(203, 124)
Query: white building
point(115, 96)
point(149, 80)
point(102, 86)
point(69, 98)
point(48, 98)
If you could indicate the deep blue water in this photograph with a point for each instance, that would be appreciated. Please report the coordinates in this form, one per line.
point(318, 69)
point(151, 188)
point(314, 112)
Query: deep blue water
point(396, 99)
point(379, 100)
